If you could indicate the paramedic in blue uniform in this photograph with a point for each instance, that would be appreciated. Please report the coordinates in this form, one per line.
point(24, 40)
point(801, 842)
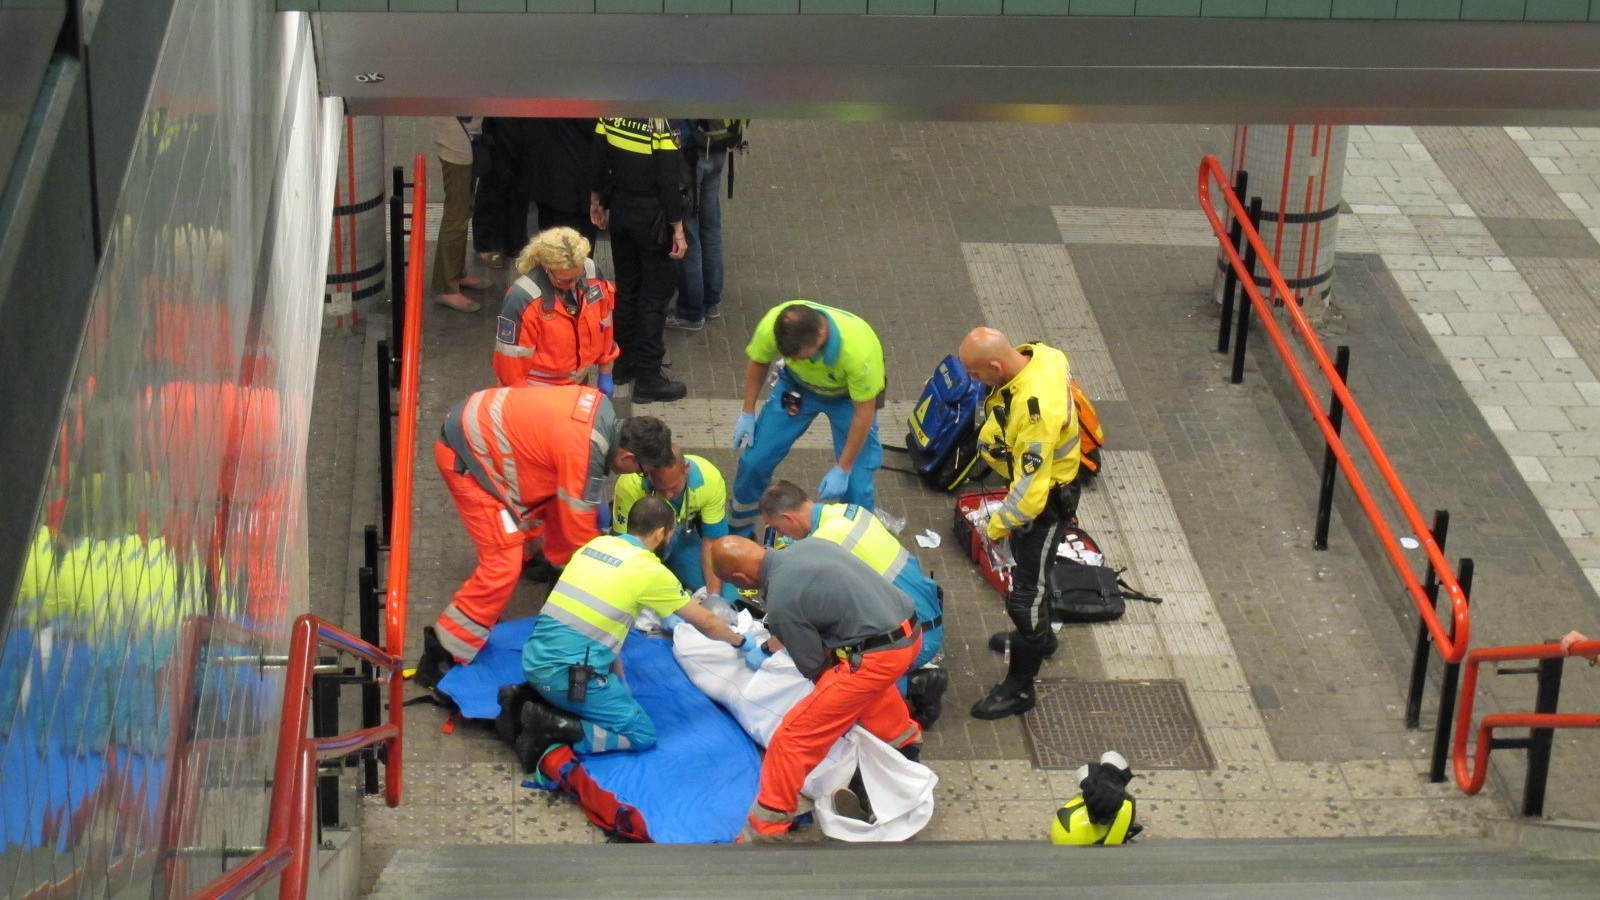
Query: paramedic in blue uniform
point(1030, 436)
point(833, 365)
point(571, 658)
point(789, 512)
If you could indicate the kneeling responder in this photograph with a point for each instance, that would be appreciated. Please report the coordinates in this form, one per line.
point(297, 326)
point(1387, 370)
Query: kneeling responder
point(849, 631)
point(570, 659)
point(1030, 436)
point(788, 511)
point(523, 463)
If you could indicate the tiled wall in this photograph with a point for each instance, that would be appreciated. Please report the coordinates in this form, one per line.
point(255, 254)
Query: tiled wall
point(174, 509)
point(1468, 10)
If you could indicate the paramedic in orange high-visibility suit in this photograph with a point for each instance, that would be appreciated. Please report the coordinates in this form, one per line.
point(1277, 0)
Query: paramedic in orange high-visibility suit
point(848, 630)
point(521, 462)
point(556, 326)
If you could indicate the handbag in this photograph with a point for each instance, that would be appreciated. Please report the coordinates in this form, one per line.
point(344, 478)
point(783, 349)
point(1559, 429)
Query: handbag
point(482, 150)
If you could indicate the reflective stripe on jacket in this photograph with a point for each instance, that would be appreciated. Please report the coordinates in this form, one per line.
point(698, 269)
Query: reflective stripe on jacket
point(538, 341)
point(1030, 433)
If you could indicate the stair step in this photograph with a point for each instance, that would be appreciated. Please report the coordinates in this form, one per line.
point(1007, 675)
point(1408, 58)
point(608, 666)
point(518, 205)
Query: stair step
point(1366, 868)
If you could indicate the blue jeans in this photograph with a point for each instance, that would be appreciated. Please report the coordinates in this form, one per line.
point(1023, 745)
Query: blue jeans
point(700, 271)
point(776, 432)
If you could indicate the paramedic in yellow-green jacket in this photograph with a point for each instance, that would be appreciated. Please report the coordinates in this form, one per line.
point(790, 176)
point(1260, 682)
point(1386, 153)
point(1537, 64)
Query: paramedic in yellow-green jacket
point(1030, 436)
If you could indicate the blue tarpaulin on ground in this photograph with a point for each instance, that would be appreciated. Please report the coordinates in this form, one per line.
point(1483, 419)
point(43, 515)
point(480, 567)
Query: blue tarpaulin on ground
point(698, 781)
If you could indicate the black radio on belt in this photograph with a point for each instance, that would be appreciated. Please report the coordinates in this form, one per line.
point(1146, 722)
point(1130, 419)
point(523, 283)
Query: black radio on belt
point(578, 682)
point(791, 402)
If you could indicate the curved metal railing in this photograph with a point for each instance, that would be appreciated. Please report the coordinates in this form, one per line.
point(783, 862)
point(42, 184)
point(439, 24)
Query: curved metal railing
point(1452, 644)
point(1470, 776)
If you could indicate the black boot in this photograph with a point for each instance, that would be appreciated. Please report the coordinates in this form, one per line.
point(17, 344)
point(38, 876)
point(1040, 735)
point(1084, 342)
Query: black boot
point(539, 570)
point(511, 696)
point(1000, 639)
point(542, 728)
point(435, 661)
point(654, 386)
point(925, 694)
point(1005, 699)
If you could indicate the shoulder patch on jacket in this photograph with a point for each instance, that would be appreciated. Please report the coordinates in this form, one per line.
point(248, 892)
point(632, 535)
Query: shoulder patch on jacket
point(505, 330)
point(1031, 462)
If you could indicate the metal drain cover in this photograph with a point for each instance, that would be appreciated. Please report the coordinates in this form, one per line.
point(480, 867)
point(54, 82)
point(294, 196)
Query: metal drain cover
point(1149, 722)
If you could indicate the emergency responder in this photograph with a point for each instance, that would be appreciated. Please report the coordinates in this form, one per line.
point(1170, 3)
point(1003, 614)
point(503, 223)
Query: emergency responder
point(848, 630)
point(523, 463)
point(698, 496)
point(571, 658)
point(1030, 436)
point(789, 512)
point(556, 326)
point(834, 366)
point(637, 194)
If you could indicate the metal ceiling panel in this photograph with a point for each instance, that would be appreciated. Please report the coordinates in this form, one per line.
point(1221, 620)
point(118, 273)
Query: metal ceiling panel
point(1002, 68)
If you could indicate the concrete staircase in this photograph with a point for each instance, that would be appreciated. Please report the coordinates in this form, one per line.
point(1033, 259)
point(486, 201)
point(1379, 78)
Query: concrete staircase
point(1412, 868)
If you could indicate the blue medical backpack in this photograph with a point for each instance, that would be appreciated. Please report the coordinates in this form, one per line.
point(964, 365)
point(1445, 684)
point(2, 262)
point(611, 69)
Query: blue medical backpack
point(943, 436)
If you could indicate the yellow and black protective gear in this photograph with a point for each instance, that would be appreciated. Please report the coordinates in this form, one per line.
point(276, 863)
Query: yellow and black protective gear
point(1030, 435)
point(1072, 825)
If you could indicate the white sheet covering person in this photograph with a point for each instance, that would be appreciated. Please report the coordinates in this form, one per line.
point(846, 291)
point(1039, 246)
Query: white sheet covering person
point(901, 791)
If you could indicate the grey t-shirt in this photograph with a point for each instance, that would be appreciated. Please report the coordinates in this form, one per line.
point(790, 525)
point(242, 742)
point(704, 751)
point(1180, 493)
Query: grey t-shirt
point(820, 597)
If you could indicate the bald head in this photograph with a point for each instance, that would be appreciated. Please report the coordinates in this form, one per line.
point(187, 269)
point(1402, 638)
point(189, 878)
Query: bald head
point(989, 357)
point(738, 560)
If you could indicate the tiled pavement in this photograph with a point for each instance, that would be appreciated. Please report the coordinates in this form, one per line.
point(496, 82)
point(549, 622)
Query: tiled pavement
point(1467, 287)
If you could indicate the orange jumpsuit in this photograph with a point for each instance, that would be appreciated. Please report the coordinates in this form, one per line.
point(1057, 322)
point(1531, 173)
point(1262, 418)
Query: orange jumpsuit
point(519, 462)
point(549, 336)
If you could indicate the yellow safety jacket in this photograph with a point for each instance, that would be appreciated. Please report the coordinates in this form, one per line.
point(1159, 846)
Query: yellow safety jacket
point(856, 529)
point(1030, 436)
point(849, 364)
point(609, 580)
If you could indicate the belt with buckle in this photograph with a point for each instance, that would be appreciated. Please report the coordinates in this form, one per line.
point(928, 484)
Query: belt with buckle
point(929, 626)
point(866, 645)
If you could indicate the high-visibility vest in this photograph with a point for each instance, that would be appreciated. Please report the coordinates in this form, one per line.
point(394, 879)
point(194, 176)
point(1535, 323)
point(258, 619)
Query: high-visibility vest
point(605, 585)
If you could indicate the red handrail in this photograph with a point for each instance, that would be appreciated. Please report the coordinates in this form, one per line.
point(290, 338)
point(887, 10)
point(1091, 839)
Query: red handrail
point(399, 576)
point(1453, 645)
point(1470, 778)
point(288, 846)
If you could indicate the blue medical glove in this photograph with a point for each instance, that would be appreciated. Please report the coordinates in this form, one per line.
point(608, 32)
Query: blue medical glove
point(754, 656)
point(744, 430)
point(671, 623)
point(607, 384)
point(834, 484)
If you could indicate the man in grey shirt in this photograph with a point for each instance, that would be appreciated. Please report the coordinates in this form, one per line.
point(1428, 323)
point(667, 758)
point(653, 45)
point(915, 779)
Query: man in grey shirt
point(850, 632)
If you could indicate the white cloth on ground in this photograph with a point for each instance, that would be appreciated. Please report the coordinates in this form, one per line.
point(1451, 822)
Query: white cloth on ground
point(901, 791)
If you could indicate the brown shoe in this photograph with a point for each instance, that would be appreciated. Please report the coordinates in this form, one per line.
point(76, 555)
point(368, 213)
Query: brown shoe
point(460, 302)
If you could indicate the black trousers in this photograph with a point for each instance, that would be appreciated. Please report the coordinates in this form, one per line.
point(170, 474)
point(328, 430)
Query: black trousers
point(646, 280)
point(1026, 603)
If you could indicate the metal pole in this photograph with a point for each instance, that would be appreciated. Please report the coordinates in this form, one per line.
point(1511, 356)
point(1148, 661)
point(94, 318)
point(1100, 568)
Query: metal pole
point(1230, 278)
point(1242, 328)
point(1447, 688)
point(325, 723)
point(369, 556)
point(1540, 740)
point(1330, 468)
point(371, 702)
point(385, 439)
point(397, 268)
point(1419, 654)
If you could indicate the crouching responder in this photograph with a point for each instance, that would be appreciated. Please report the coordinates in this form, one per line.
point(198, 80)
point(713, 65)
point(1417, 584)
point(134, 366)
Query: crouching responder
point(786, 509)
point(522, 463)
point(1030, 436)
point(694, 489)
point(571, 658)
point(848, 630)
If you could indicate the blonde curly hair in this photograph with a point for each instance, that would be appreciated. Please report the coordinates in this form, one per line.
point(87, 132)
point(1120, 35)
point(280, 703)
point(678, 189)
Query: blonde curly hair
point(554, 248)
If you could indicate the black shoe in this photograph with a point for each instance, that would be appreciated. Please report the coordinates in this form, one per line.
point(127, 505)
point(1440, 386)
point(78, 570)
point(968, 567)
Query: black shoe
point(651, 387)
point(925, 694)
point(1004, 699)
point(714, 312)
point(540, 570)
point(435, 661)
point(508, 725)
point(542, 728)
point(621, 373)
point(998, 641)
point(912, 752)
